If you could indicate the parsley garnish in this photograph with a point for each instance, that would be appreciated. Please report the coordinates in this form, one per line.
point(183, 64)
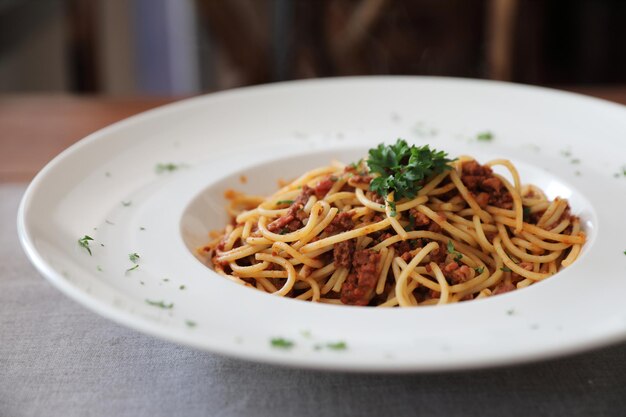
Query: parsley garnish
point(392, 206)
point(510, 312)
point(142, 228)
point(133, 268)
point(84, 243)
point(279, 202)
point(160, 304)
point(452, 251)
point(190, 323)
point(625, 252)
point(169, 167)
point(505, 269)
point(109, 222)
point(283, 231)
point(401, 168)
point(575, 161)
point(182, 287)
point(337, 345)
point(126, 203)
point(479, 270)
point(134, 257)
point(279, 342)
point(485, 136)
point(99, 268)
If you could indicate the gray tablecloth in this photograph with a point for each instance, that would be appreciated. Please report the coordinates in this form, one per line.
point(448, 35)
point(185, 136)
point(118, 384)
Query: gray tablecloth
point(59, 359)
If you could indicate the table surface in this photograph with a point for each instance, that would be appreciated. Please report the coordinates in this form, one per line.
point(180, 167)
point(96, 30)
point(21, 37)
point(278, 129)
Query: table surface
point(59, 359)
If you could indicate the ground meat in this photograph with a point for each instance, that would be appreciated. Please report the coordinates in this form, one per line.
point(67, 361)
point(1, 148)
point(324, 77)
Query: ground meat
point(322, 187)
point(423, 222)
point(360, 180)
point(503, 287)
point(292, 220)
point(456, 273)
point(482, 199)
point(343, 252)
point(358, 289)
point(279, 225)
point(340, 223)
point(375, 197)
point(479, 180)
point(401, 247)
point(439, 255)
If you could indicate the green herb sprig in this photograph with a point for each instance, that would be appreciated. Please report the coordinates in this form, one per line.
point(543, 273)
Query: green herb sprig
point(84, 243)
point(160, 304)
point(401, 168)
point(281, 343)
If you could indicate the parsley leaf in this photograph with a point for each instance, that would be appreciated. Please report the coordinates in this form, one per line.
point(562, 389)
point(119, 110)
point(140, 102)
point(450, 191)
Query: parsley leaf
point(133, 268)
point(84, 243)
point(452, 251)
point(479, 270)
point(485, 136)
point(402, 168)
point(134, 257)
point(337, 345)
point(279, 202)
point(279, 342)
point(505, 269)
point(392, 206)
point(160, 168)
point(160, 304)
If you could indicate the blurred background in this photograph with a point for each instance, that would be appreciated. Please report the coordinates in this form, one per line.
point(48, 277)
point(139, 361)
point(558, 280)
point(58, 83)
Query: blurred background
point(184, 47)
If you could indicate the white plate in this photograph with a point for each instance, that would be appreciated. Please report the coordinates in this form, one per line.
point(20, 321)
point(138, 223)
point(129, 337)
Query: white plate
point(568, 144)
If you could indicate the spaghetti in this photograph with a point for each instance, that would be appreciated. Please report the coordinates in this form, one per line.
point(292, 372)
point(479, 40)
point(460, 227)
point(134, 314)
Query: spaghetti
point(461, 232)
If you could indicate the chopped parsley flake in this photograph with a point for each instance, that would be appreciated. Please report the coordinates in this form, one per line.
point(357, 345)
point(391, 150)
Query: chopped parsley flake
point(575, 161)
point(83, 242)
point(452, 251)
point(510, 312)
point(625, 252)
point(134, 257)
point(99, 268)
point(281, 343)
point(109, 222)
point(133, 268)
point(392, 206)
point(566, 153)
point(169, 167)
point(337, 345)
point(182, 287)
point(126, 203)
point(166, 279)
point(505, 269)
point(485, 136)
point(142, 228)
point(160, 304)
point(190, 323)
point(279, 202)
point(479, 270)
